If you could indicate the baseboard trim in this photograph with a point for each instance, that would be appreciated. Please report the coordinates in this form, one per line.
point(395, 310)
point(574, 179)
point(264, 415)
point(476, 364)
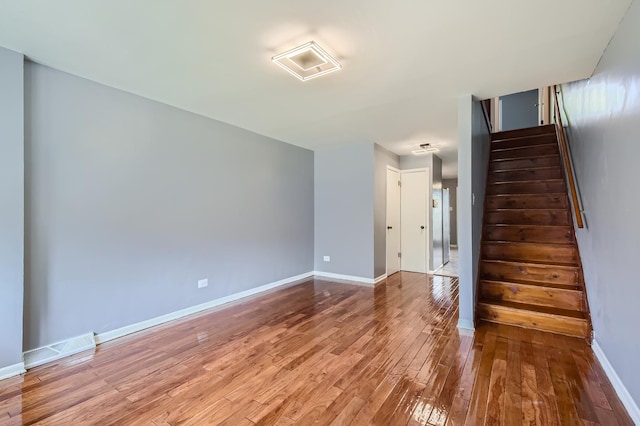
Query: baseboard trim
point(453, 246)
point(55, 351)
point(12, 370)
point(465, 324)
point(380, 279)
point(620, 388)
point(370, 282)
point(142, 325)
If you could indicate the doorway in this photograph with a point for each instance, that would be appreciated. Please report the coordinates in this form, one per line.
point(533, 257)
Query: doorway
point(414, 220)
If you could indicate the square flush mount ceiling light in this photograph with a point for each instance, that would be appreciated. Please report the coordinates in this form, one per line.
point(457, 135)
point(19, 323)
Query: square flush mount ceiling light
point(424, 149)
point(307, 61)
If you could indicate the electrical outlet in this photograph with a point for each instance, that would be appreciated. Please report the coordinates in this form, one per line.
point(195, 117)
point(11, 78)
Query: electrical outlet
point(203, 283)
point(327, 258)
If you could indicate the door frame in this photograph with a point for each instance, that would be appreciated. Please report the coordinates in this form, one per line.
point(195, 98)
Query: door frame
point(386, 217)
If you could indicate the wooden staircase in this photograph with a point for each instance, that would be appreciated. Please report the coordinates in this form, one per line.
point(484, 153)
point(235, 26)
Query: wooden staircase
point(530, 269)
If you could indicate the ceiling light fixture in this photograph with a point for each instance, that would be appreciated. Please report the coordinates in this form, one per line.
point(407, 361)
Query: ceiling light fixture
point(307, 61)
point(425, 148)
point(428, 148)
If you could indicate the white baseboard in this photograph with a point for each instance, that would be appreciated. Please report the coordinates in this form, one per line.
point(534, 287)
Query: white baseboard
point(621, 389)
point(55, 351)
point(12, 370)
point(380, 279)
point(123, 331)
point(453, 246)
point(369, 281)
point(466, 324)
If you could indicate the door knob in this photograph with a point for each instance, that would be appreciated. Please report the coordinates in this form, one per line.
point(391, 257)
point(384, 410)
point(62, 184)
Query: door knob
point(422, 227)
point(389, 227)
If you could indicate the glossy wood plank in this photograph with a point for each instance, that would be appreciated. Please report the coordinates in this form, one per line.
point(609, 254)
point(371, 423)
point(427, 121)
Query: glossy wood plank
point(527, 201)
point(520, 133)
point(528, 217)
point(524, 163)
point(555, 297)
point(522, 141)
point(544, 173)
point(531, 150)
point(529, 233)
point(535, 317)
point(531, 252)
point(498, 270)
point(324, 353)
point(543, 186)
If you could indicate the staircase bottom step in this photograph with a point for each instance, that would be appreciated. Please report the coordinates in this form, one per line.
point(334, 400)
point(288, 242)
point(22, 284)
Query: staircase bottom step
point(561, 321)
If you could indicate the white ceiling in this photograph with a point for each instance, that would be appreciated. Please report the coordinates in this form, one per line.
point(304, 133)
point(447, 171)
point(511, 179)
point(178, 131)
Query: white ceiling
point(404, 62)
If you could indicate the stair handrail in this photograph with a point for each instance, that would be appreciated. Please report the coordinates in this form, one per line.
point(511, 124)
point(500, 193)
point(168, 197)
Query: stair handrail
point(564, 152)
point(487, 119)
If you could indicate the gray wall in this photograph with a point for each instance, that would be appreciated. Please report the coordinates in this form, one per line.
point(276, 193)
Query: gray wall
point(344, 209)
point(473, 156)
point(519, 110)
point(130, 202)
point(11, 206)
point(382, 158)
point(436, 214)
point(452, 185)
point(604, 121)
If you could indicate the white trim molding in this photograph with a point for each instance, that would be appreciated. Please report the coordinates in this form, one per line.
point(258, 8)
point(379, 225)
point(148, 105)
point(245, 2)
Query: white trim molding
point(370, 282)
point(12, 370)
point(620, 388)
point(466, 324)
point(128, 329)
point(380, 279)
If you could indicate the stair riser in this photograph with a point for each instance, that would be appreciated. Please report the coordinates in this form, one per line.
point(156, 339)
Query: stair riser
point(525, 188)
point(540, 253)
point(525, 152)
point(524, 163)
point(528, 202)
point(562, 325)
point(524, 142)
point(522, 133)
point(532, 295)
point(528, 217)
point(538, 273)
point(560, 234)
point(520, 175)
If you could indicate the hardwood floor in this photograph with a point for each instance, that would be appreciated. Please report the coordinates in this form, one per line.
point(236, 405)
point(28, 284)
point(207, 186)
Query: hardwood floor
point(328, 353)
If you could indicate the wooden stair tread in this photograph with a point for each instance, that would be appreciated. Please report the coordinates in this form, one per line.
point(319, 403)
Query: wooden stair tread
point(530, 271)
point(543, 310)
point(531, 253)
point(526, 169)
point(537, 284)
point(549, 129)
point(525, 262)
point(519, 210)
point(513, 225)
point(549, 194)
point(551, 265)
point(533, 145)
point(525, 157)
point(528, 244)
point(505, 182)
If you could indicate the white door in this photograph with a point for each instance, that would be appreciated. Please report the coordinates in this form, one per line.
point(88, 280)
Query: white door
point(413, 217)
point(393, 221)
